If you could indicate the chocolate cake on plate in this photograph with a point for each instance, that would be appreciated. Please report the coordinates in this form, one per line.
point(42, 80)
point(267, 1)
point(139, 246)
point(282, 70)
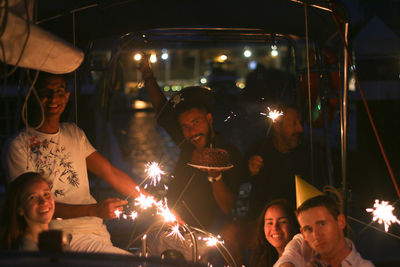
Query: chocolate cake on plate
point(211, 157)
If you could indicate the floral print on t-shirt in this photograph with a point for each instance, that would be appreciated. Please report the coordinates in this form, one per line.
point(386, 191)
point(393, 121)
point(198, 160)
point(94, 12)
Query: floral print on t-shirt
point(52, 159)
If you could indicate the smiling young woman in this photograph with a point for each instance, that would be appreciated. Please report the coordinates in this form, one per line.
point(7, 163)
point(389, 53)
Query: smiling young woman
point(275, 228)
point(28, 209)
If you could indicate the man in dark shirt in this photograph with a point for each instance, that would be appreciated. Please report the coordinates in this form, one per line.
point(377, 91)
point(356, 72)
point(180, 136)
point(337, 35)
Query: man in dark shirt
point(272, 166)
point(275, 161)
point(202, 197)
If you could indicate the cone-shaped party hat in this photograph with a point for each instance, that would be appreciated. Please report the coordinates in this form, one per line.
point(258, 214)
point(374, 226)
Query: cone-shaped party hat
point(304, 191)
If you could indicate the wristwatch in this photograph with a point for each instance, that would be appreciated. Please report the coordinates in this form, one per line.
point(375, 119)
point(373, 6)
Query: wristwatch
point(214, 179)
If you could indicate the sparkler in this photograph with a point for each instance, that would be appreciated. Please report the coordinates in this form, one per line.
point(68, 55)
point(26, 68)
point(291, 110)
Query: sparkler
point(383, 213)
point(230, 116)
point(272, 114)
point(154, 172)
point(163, 210)
point(212, 241)
point(145, 202)
point(133, 215)
point(175, 232)
point(118, 213)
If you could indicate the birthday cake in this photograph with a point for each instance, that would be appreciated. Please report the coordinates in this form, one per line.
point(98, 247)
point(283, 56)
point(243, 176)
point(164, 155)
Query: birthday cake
point(211, 157)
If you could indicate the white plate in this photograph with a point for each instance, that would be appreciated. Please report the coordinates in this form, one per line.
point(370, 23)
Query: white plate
point(224, 168)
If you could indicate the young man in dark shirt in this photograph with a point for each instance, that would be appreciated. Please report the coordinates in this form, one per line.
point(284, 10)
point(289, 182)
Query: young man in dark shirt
point(203, 197)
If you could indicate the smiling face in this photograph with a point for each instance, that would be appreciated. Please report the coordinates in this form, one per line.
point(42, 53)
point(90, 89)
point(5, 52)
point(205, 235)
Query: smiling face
point(37, 203)
point(196, 125)
point(54, 96)
point(277, 228)
point(322, 231)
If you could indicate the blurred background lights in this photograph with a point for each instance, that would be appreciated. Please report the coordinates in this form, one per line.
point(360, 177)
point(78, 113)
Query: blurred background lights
point(153, 58)
point(164, 54)
point(222, 58)
point(247, 53)
point(176, 88)
point(252, 65)
point(352, 84)
point(241, 85)
point(139, 104)
point(137, 57)
point(203, 80)
point(274, 51)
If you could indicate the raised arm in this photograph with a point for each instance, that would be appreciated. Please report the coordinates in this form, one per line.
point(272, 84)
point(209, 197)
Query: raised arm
point(104, 209)
point(156, 95)
point(118, 179)
point(223, 195)
point(295, 254)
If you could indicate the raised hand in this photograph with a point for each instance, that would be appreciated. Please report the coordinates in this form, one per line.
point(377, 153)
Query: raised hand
point(255, 164)
point(106, 208)
point(144, 66)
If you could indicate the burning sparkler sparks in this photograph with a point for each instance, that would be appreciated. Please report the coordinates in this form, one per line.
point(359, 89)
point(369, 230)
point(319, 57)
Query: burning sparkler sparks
point(175, 232)
point(163, 210)
point(118, 213)
point(145, 202)
point(230, 116)
point(212, 240)
point(383, 213)
point(133, 215)
point(273, 114)
point(154, 172)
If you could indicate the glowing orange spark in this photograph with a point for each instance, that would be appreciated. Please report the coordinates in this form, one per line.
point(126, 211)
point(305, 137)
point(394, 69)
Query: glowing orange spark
point(273, 114)
point(383, 213)
point(117, 213)
point(163, 210)
point(154, 172)
point(175, 232)
point(213, 241)
point(144, 202)
point(134, 215)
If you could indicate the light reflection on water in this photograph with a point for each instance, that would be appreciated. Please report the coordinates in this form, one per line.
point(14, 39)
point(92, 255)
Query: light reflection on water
point(143, 142)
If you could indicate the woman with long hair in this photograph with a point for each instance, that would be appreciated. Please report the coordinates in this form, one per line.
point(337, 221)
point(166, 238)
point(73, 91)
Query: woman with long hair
point(276, 226)
point(28, 209)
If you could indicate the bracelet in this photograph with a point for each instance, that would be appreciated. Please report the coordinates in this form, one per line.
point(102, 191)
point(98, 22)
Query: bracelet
point(214, 179)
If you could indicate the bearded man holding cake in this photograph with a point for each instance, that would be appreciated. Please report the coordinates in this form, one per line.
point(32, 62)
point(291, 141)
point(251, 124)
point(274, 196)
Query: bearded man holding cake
point(209, 169)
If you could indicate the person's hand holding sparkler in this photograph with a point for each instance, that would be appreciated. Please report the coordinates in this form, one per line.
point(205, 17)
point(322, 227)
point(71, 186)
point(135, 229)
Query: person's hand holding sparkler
point(106, 209)
point(255, 164)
